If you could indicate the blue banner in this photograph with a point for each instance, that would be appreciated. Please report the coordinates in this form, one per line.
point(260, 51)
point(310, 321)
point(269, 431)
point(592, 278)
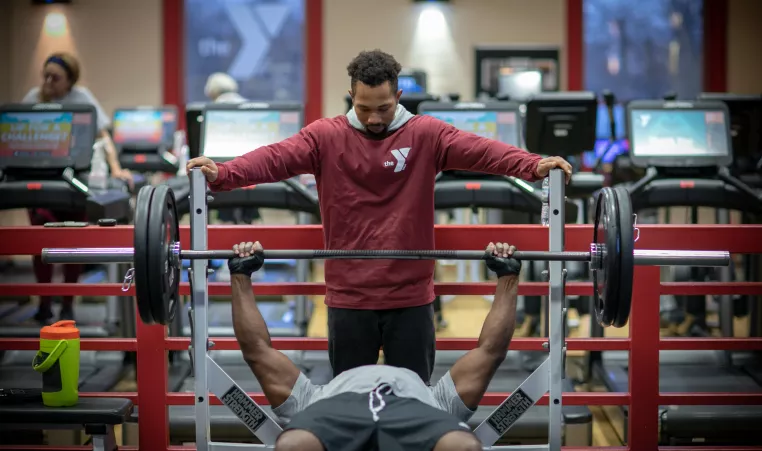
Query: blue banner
point(260, 43)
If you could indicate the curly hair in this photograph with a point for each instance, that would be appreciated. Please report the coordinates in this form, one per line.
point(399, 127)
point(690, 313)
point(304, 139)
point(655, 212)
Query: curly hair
point(373, 68)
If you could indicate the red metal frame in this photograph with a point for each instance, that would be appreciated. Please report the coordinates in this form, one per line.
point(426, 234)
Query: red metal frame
point(742, 239)
point(644, 343)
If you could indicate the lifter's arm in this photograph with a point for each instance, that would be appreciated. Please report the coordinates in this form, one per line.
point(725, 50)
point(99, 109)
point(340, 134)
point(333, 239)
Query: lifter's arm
point(473, 372)
point(275, 372)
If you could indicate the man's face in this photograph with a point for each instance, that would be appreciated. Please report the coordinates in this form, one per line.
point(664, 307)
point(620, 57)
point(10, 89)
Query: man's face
point(375, 106)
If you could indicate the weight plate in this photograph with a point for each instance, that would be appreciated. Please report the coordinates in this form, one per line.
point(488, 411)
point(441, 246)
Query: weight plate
point(626, 256)
point(164, 269)
point(140, 258)
point(605, 278)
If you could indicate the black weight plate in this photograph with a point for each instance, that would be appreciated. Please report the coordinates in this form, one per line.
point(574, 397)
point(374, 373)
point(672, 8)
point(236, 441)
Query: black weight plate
point(626, 256)
point(140, 258)
point(605, 236)
point(163, 270)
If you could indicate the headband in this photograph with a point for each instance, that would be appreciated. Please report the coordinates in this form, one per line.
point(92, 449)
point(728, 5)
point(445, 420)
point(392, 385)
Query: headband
point(58, 60)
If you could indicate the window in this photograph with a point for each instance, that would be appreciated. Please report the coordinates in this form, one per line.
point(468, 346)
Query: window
point(260, 43)
point(644, 49)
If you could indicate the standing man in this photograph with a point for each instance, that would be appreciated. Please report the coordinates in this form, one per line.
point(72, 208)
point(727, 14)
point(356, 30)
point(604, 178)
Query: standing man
point(375, 169)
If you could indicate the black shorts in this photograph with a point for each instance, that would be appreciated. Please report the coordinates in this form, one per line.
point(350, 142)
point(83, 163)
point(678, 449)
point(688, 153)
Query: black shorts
point(345, 423)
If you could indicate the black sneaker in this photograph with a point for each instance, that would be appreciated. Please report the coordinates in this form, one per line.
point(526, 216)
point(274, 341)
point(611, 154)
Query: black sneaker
point(43, 316)
point(67, 314)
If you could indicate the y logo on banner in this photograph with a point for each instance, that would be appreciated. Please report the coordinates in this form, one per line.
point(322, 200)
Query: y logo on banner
point(401, 156)
point(256, 26)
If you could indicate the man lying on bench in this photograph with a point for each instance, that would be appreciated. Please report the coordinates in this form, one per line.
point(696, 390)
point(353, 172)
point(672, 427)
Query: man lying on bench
point(374, 407)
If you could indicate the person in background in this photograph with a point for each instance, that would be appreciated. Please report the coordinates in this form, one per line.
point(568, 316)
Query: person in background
point(60, 75)
point(222, 88)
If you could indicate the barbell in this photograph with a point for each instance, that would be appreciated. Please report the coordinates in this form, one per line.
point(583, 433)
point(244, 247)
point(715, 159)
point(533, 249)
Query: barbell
point(157, 257)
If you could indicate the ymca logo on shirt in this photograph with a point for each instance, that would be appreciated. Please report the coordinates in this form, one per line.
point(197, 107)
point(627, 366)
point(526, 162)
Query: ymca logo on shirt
point(400, 155)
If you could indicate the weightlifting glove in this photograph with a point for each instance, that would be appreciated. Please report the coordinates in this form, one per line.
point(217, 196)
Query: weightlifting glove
point(247, 265)
point(502, 266)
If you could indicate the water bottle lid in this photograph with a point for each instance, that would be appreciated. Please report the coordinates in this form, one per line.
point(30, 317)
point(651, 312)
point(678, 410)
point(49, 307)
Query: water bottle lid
point(62, 330)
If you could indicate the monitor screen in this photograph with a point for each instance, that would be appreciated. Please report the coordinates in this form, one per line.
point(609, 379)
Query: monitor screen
point(503, 126)
point(144, 127)
point(679, 133)
point(47, 139)
point(234, 132)
point(519, 85)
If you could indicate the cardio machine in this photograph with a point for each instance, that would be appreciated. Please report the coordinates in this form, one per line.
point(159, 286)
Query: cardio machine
point(223, 132)
point(508, 198)
point(45, 161)
point(686, 150)
point(144, 137)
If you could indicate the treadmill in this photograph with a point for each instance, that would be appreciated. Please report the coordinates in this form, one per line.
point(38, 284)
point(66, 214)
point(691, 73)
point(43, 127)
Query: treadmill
point(225, 131)
point(45, 158)
point(460, 189)
point(746, 135)
point(686, 149)
point(144, 137)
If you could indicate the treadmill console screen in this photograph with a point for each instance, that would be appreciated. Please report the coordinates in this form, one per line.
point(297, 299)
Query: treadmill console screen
point(47, 139)
point(230, 133)
point(144, 127)
point(503, 126)
point(679, 137)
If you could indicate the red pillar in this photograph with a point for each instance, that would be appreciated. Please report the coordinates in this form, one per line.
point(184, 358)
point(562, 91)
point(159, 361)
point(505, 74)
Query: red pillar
point(313, 60)
point(642, 431)
point(575, 61)
point(152, 368)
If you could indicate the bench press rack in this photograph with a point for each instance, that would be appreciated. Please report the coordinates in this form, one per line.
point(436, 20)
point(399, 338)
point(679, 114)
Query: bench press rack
point(210, 377)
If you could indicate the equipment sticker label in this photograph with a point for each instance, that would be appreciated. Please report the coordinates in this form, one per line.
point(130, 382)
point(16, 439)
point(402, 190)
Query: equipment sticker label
point(244, 408)
point(510, 411)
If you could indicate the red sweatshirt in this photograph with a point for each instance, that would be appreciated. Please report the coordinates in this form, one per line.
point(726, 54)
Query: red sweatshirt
point(376, 194)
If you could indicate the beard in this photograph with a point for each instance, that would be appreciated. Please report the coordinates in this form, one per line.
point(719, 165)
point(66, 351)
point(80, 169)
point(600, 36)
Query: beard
point(377, 130)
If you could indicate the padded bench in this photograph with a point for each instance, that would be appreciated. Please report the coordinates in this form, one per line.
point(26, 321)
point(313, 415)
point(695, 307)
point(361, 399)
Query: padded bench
point(97, 416)
point(532, 428)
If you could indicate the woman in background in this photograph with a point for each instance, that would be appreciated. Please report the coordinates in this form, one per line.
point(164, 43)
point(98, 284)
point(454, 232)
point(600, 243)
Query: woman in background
point(60, 75)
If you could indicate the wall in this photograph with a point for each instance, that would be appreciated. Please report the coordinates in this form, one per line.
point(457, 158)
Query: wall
point(5, 51)
point(119, 44)
point(744, 69)
point(446, 53)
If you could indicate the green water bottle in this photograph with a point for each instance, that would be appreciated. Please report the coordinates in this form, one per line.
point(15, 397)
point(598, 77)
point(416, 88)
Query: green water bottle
point(58, 361)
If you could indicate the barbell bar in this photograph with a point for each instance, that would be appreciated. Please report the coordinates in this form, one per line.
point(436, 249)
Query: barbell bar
point(641, 256)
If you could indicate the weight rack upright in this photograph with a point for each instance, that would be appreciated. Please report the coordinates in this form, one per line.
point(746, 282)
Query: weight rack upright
point(210, 377)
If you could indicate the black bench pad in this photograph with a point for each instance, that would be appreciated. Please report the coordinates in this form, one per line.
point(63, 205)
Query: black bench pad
point(108, 411)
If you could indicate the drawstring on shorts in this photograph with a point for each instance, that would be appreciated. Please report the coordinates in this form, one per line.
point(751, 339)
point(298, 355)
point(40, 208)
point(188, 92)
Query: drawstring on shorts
point(377, 393)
